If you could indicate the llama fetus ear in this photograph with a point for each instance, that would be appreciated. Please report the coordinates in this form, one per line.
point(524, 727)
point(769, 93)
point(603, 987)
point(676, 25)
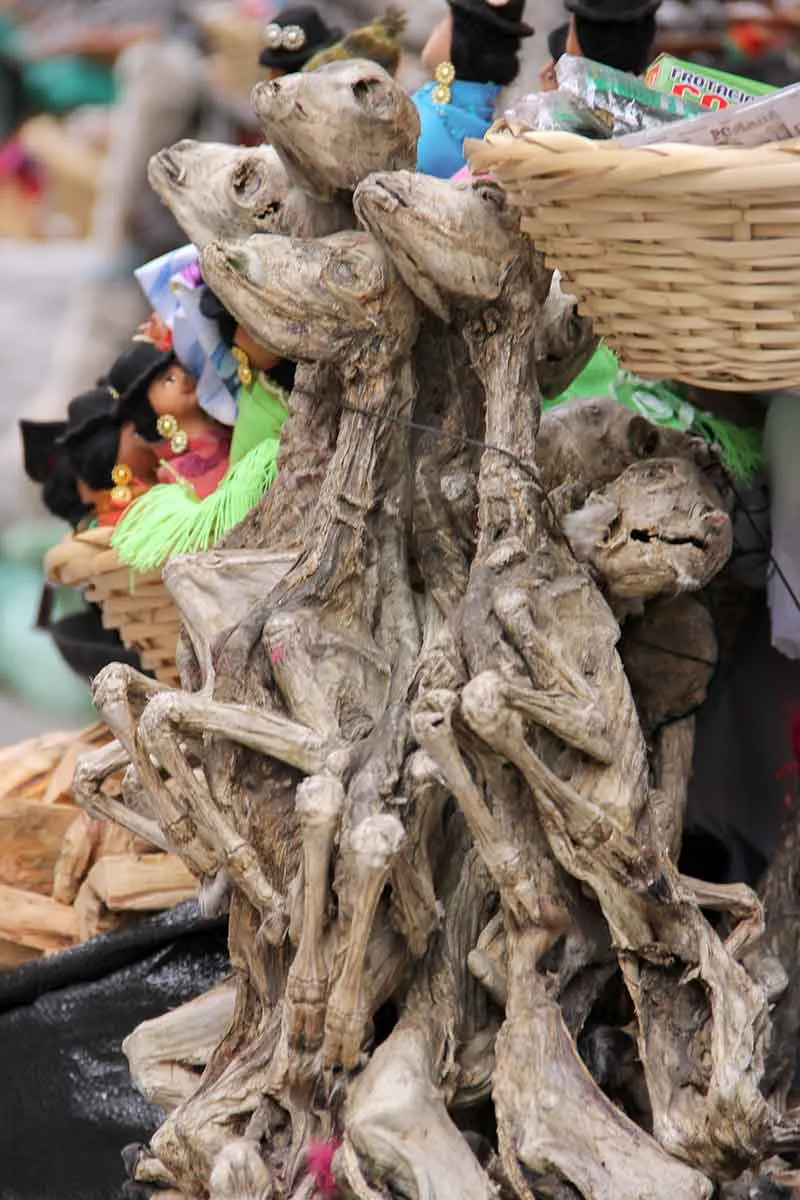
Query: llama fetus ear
point(644, 438)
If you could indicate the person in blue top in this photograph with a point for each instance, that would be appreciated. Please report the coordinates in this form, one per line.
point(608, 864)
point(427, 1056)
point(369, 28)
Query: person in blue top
point(472, 54)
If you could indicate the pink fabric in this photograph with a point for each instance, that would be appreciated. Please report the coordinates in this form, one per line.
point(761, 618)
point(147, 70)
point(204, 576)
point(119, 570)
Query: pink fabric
point(464, 173)
point(203, 464)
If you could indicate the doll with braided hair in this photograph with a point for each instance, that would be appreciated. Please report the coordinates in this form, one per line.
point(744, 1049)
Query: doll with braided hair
point(473, 54)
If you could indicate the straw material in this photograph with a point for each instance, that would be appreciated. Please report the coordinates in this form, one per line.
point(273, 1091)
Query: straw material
point(136, 605)
point(65, 876)
point(687, 258)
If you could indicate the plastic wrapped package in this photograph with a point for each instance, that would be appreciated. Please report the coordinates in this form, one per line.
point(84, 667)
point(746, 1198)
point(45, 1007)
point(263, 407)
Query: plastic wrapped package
point(620, 99)
point(543, 112)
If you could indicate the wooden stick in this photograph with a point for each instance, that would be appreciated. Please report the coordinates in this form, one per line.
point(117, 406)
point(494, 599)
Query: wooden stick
point(31, 837)
point(36, 921)
point(131, 883)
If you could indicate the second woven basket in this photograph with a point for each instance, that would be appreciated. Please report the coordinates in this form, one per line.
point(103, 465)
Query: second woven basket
point(687, 258)
point(137, 605)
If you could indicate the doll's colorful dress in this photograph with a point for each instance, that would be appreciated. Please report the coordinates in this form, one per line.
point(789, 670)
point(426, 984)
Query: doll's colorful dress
point(203, 464)
point(445, 127)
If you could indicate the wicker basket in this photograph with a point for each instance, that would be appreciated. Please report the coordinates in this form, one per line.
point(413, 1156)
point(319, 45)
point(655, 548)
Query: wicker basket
point(687, 258)
point(136, 605)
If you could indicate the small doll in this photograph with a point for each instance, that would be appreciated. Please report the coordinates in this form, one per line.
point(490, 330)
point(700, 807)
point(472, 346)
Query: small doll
point(376, 42)
point(47, 464)
point(111, 464)
point(292, 38)
point(265, 380)
point(91, 466)
point(472, 53)
point(159, 397)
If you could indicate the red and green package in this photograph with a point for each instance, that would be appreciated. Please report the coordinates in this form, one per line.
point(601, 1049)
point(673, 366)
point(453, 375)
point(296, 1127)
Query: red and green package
point(712, 90)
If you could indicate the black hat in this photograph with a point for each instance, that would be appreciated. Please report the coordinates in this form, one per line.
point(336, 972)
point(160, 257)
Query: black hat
point(294, 37)
point(86, 413)
point(91, 439)
point(47, 463)
point(506, 19)
point(613, 11)
point(40, 447)
point(557, 42)
point(133, 372)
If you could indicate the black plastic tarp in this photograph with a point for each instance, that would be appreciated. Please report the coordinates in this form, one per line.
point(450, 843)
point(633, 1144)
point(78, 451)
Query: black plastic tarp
point(67, 1106)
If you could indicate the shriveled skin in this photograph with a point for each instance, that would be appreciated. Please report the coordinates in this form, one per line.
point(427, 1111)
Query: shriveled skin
point(214, 190)
point(525, 584)
point(656, 530)
point(597, 811)
point(457, 257)
point(436, 640)
point(454, 244)
point(336, 125)
point(590, 440)
point(318, 300)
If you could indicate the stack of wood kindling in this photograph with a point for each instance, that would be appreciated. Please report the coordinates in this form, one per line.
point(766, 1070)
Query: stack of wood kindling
point(65, 877)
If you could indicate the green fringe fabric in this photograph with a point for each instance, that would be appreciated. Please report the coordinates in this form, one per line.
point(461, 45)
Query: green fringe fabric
point(169, 519)
point(740, 448)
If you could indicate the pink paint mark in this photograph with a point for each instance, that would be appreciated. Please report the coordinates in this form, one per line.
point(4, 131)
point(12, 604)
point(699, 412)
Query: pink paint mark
point(277, 655)
point(319, 1160)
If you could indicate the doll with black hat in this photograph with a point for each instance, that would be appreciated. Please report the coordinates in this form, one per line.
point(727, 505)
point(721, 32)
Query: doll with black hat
point(168, 521)
point(47, 464)
point(90, 466)
point(159, 397)
point(76, 462)
point(616, 33)
point(473, 54)
point(265, 381)
point(292, 39)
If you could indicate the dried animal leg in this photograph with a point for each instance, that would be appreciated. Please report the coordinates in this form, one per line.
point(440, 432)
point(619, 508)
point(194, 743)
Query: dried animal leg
point(432, 723)
point(373, 846)
point(121, 694)
point(415, 911)
point(266, 732)
point(159, 732)
point(319, 802)
point(551, 1114)
point(91, 772)
point(164, 1054)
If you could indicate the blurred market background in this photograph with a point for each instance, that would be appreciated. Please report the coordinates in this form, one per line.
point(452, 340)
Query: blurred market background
point(89, 89)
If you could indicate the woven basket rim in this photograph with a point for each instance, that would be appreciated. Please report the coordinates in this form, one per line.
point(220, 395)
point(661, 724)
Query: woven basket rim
point(561, 160)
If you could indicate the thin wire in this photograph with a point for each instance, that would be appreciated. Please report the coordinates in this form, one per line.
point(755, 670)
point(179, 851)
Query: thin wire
point(526, 468)
point(694, 658)
point(533, 474)
point(767, 548)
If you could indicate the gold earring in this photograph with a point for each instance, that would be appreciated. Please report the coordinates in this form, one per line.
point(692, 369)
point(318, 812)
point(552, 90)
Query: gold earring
point(244, 371)
point(444, 74)
point(169, 428)
point(122, 477)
